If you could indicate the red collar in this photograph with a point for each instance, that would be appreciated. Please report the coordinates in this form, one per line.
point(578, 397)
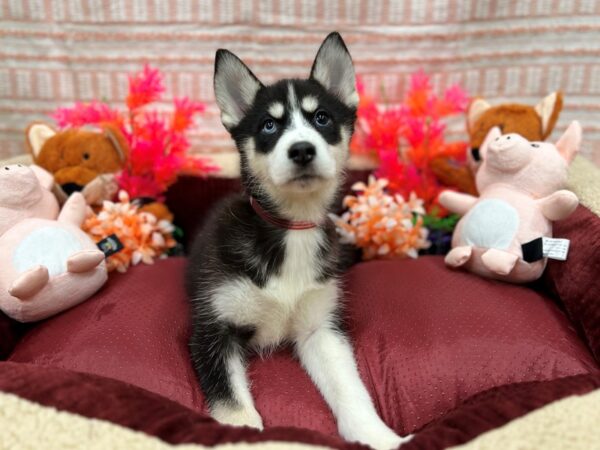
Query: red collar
point(281, 223)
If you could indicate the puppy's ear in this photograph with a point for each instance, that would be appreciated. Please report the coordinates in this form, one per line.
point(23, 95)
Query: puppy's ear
point(235, 87)
point(334, 70)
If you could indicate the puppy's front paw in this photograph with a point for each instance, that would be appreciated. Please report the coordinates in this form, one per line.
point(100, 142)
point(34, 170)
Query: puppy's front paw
point(239, 416)
point(377, 435)
point(403, 439)
point(386, 441)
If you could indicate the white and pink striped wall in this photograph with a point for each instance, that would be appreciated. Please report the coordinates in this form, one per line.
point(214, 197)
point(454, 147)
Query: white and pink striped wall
point(53, 53)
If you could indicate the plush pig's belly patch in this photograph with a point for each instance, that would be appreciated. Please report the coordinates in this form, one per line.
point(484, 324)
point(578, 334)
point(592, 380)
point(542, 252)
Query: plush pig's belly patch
point(491, 223)
point(47, 246)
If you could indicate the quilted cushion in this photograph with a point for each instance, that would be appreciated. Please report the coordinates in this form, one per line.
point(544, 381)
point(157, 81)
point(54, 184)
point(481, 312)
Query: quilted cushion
point(495, 408)
point(7, 337)
point(10, 333)
point(426, 338)
point(576, 281)
point(129, 406)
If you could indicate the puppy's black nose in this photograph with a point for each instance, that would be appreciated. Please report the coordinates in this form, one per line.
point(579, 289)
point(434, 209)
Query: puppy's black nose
point(69, 188)
point(302, 153)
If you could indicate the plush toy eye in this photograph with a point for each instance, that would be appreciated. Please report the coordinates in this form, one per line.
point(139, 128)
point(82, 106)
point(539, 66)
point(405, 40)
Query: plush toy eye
point(86, 156)
point(269, 126)
point(322, 118)
point(535, 145)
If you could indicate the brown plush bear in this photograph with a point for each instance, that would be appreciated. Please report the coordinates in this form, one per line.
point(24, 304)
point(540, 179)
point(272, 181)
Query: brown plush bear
point(80, 159)
point(534, 123)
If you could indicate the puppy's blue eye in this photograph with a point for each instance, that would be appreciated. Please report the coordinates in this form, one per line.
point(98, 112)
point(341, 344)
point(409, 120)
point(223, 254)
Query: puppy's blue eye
point(269, 126)
point(322, 119)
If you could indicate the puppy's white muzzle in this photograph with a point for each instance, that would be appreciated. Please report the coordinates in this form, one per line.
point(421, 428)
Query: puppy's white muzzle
point(301, 151)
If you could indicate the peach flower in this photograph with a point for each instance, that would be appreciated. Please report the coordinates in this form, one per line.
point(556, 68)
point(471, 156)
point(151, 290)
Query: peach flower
point(384, 226)
point(144, 238)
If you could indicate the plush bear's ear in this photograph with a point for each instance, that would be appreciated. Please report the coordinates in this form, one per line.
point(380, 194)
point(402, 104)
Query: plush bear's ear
point(235, 87)
point(117, 140)
point(476, 108)
point(548, 110)
point(569, 143)
point(36, 136)
point(334, 70)
point(492, 135)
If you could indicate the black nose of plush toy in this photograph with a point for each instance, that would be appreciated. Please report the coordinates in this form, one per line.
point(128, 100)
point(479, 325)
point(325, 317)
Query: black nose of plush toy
point(302, 153)
point(69, 188)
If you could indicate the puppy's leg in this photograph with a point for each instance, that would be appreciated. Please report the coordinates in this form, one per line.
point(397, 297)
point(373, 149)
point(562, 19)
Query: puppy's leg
point(217, 356)
point(327, 356)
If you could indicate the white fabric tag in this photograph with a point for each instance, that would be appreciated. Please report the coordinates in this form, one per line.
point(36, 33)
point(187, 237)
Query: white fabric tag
point(555, 248)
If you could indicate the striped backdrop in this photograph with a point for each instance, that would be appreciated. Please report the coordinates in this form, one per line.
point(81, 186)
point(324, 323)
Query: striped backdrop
point(55, 52)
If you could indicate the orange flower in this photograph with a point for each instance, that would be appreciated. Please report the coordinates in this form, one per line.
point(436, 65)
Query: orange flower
point(143, 237)
point(384, 226)
point(405, 138)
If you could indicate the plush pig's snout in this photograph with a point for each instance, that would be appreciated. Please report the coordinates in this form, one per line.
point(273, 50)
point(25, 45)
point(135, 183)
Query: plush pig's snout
point(15, 170)
point(508, 153)
point(17, 176)
point(507, 142)
point(19, 187)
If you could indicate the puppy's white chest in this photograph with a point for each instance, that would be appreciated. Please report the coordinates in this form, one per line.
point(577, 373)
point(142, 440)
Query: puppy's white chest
point(281, 301)
point(288, 297)
point(300, 269)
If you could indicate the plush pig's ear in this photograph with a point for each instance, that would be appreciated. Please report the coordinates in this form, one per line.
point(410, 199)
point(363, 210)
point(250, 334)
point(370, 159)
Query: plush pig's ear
point(36, 136)
point(570, 142)
point(44, 177)
point(492, 135)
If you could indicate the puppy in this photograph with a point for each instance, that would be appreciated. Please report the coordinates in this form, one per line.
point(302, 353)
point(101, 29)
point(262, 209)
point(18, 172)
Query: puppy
point(263, 271)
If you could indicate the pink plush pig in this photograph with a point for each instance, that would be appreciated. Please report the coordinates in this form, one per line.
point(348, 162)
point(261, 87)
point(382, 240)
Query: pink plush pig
point(505, 233)
point(47, 263)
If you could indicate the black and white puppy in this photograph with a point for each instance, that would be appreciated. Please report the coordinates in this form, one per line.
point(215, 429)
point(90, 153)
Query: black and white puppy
point(263, 270)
